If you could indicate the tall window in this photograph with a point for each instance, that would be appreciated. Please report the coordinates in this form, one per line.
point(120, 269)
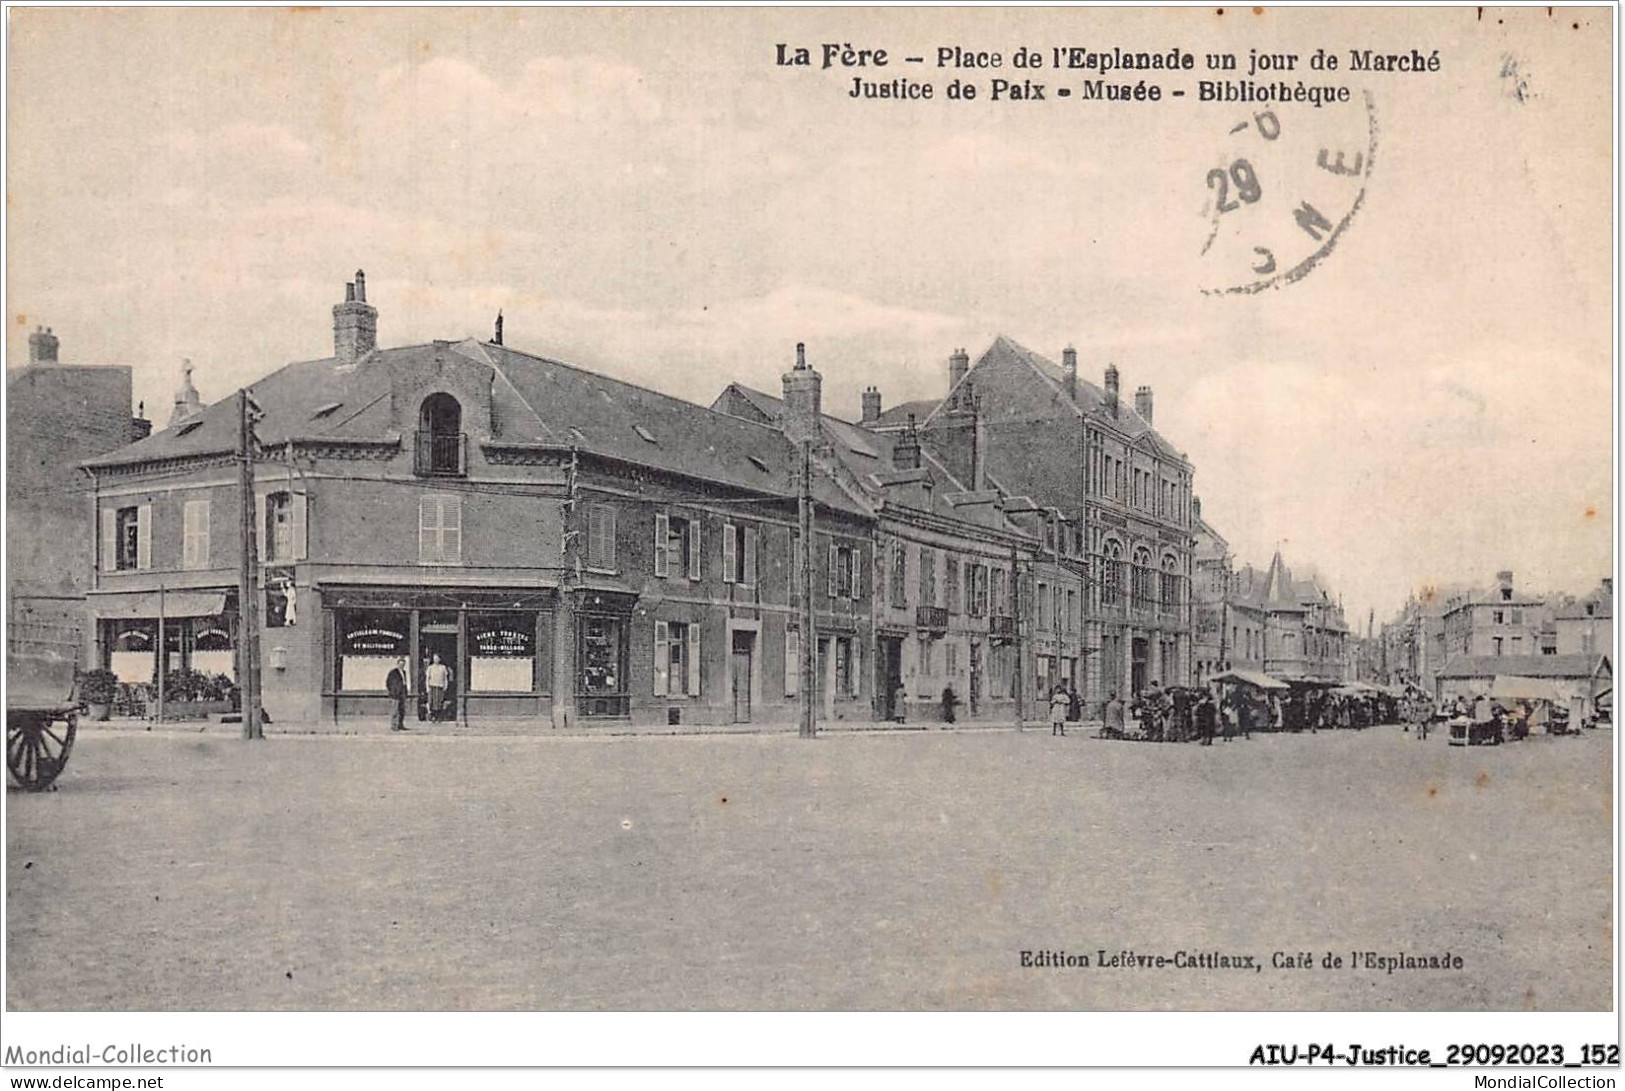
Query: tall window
point(195, 534)
point(899, 574)
point(1170, 584)
point(440, 529)
point(999, 604)
point(739, 554)
point(677, 659)
point(928, 577)
point(283, 535)
point(845, 572)
point(677, 546)
point(1143, 590)
point(601, 538)
point(126, 538)
point(952, 582)
point(440, 437)
point(1111, 586)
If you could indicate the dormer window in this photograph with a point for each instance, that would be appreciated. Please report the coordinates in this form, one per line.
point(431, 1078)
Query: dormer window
point(442, 448)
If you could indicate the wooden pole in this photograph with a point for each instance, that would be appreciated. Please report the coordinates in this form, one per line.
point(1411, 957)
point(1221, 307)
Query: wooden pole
point(809, 617)
point(248, 624)
point(163, 652)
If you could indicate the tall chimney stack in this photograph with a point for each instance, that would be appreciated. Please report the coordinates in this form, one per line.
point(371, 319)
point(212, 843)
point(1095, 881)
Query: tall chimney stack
point(803, 400)
point(1069, 361)
point(42, 346)
point(355, 323)
point(1111, 389)
point(958, 366)
point(905, 453)
point(1142, 403)
point(871, 405)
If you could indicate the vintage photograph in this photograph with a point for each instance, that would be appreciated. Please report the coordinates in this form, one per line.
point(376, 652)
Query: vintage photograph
point(868, 509)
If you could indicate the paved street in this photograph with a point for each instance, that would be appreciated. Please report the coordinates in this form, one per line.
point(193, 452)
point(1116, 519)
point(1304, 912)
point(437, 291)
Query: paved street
point(875, 870)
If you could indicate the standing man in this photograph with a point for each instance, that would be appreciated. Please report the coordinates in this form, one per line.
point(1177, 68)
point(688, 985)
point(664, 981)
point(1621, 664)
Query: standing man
point(396, 684)
point(1060, 703)
point(1114, 718)
point(1205, 714)
point(436, 677)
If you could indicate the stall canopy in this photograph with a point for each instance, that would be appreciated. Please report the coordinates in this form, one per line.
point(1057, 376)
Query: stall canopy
point(1512, 687)
point(1251, 678)
point(146, 604)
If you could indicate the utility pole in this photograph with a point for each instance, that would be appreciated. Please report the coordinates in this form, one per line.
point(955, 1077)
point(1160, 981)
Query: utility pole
point(1015, 618)
point(809, 616)
point(248, 614)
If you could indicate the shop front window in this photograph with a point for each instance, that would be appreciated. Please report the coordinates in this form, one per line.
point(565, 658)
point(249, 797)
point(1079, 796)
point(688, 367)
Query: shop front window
point(602, 659)
point(132, 653)
point(502, 653)
point(370, 641)
point(212, 649)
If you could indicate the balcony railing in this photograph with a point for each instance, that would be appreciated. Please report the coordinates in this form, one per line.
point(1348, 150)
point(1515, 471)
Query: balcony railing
point(931, 618)
point(442, 454)
point(1002, 626)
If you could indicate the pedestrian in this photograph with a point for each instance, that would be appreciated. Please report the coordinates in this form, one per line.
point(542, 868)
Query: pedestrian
point(949, 700)
point(1206, 714)
point(437, 677)
point(395, 683)
point(1060, 703)
point(1114, 718)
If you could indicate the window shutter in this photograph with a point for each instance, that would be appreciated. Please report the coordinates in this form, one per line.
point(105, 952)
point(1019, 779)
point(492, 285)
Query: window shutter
point(428, 531)
point(693, 659)
point(855, 671)
point(831, 572)
point(301, 524)
point(662, 534)
point(109, 539)
point(451, 529)
point(857, 573)
point(750, 556)
point(608, 515)
point(143, 536)
point(729, 553)
point(662, 659)
point(792, 662)
point(694, 553)
point(189, 534)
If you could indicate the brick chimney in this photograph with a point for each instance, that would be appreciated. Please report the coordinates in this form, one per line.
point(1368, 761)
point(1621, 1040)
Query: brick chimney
point(1111, 389)
point(1069, 361)
point(905, 454)
point(871, 405)
point(958, 366)
point(355, 323)
point(42, 345)
point(1142, 403)
point(803, 400)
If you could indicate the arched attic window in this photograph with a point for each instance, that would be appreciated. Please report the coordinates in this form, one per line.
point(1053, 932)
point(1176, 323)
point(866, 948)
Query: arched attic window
point(442, 448)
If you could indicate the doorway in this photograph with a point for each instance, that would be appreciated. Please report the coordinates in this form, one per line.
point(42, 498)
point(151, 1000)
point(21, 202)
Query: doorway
point(744, 648)
point(891, 676)
point(438, 661)
point(1137, 678)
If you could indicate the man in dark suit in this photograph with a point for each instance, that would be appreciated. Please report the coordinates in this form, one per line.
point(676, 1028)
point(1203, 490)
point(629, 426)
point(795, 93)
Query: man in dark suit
point(396, 684)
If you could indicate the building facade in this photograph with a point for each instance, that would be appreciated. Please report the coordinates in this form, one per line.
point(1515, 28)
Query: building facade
point(1286, 627)
point(1500, 622)
point(573, 548)
point(1123, 491)
point(1585, 626)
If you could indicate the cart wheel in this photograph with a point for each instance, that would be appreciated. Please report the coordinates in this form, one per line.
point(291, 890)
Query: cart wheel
point(37, 748)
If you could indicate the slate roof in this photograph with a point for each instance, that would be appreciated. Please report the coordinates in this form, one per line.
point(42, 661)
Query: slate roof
point(869, 456)
point(537, 400)
point(897, 416)
point(1088, 397)
point(1525, 666)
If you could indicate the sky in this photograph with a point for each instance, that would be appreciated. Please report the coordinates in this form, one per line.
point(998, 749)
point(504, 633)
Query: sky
point(649, 194)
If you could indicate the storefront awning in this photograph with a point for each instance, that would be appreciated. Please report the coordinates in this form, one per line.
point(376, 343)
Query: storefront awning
point(1251, 678)
point(146, 604)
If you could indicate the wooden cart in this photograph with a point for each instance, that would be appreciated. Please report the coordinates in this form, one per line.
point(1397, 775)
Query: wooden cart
point(42, 710)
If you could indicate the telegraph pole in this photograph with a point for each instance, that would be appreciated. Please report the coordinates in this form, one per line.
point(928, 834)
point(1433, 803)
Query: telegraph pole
point(248, 619)
point(809, 618)
point(1015, 618)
